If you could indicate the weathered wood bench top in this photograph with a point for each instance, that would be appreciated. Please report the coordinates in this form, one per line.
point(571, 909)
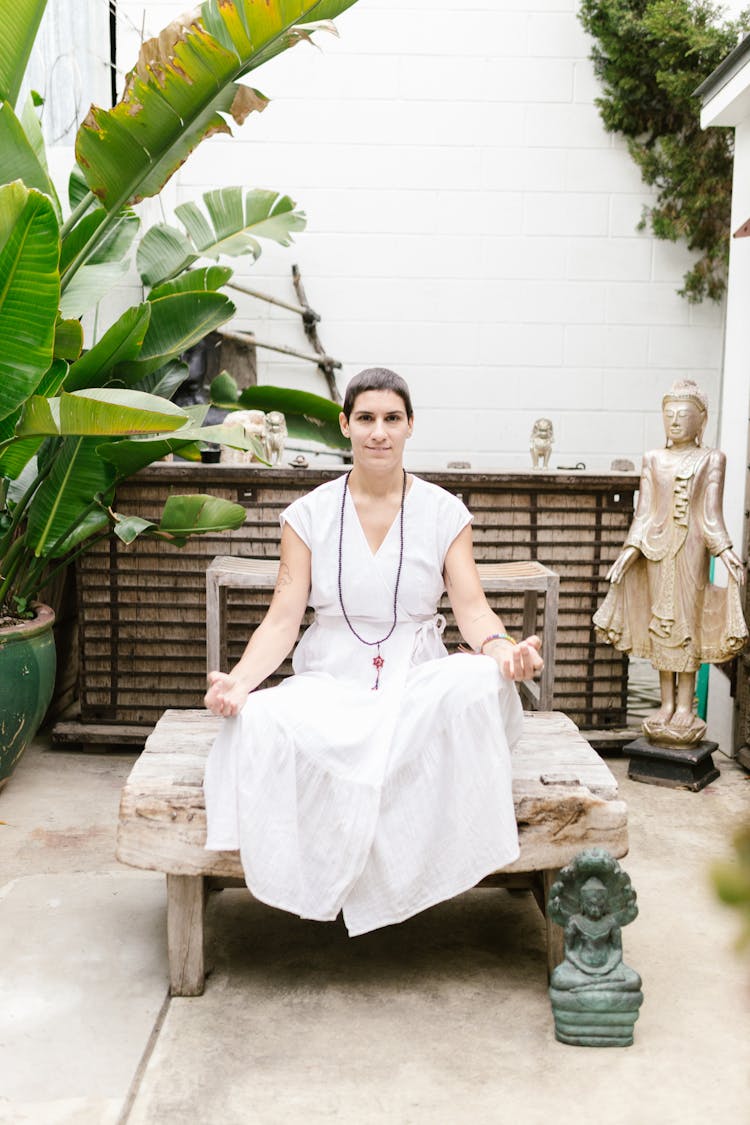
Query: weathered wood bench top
point(564, 794)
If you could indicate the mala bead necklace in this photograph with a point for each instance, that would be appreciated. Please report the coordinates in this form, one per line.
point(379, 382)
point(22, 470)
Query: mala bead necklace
point(377, 660)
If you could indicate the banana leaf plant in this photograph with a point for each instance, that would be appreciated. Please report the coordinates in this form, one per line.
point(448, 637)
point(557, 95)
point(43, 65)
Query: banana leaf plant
point(57, 482)
point(74, 422)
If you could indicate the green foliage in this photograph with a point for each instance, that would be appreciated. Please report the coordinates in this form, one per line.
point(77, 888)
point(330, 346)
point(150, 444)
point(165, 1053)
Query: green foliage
point(74, 423)
point(182, 517)
point(732, 882)
point(29, 294)
point(231, 225)
point(650, 56)
point(308, 416)
point(20, 21)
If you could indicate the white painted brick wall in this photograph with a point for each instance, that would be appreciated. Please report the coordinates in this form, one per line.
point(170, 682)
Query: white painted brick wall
point(470, 224)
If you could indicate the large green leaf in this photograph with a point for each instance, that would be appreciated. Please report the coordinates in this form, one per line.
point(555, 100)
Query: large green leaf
point(181, 85)
point(89, 285)
point(29, 292)
point(77, 477)
point(132, 454)
point(78, 189)
point(225, 392)
point(165, 380)
point(78, 471)
point(194, 281)
point(122, 341)
point(92, 523)
point(18, 161)
point(18, 486)
point(68, 339)
point(309, 417)
point(114, 245)
point(162, 253)
point(103, 411)
point(17, 454)
point(129, 455)
point(20, 21)
point(32, 127)
point(184, 516)
point(231, 225)
point(178, 321)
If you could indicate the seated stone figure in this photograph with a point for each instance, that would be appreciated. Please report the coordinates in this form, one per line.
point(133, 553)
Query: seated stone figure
point(595, 996)
point(593, 947)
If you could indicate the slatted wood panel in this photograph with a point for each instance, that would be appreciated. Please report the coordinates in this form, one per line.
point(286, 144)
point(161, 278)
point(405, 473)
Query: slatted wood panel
point(142, 608)
point(525, 581)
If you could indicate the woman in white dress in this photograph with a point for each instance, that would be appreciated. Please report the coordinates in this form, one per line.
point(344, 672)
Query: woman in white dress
point(377, 780)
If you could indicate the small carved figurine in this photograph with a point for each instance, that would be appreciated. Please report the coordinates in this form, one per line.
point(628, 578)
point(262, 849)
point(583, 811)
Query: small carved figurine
point(253, 423)
point(276, 435)
point(542, 436)
point(595, 996)
point(660, 604)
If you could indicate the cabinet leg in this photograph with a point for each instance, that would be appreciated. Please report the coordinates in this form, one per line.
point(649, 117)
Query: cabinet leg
point(186, 900)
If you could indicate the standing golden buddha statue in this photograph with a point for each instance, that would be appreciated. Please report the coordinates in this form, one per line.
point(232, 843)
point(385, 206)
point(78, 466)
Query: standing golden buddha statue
point(661, 604)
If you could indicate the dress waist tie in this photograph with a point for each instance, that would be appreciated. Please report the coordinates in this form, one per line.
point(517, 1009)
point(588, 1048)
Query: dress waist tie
point(428, 632)
point(428, 639)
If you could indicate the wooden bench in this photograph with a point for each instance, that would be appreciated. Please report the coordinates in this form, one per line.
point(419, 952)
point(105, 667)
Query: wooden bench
point(527, 578)
point(565, 800)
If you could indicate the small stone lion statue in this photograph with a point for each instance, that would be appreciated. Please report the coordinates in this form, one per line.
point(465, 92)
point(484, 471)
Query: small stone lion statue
point(276, 435)
point(253, 424)
point(542, 436)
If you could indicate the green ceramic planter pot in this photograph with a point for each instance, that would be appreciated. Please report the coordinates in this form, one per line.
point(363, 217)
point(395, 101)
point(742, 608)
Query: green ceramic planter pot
point(27, 679)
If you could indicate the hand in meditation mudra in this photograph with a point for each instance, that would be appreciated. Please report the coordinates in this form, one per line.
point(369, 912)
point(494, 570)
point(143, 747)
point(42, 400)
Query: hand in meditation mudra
point(661, 604)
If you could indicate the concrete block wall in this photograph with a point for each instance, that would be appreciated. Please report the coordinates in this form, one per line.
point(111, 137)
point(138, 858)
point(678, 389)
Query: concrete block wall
point(470, 224)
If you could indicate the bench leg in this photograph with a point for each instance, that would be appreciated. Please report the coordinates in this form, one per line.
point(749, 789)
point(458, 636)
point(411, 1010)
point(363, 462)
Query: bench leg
point(186, 900)
point(555, 934)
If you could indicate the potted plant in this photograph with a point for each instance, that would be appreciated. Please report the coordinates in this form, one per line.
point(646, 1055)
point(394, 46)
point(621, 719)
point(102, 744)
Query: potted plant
point(74, 422)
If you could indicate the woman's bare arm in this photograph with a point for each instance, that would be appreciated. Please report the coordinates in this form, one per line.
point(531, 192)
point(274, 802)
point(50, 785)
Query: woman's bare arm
point(476, 620)
point(275, 636)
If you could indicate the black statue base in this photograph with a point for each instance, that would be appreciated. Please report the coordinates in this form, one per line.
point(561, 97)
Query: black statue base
point(690, 768)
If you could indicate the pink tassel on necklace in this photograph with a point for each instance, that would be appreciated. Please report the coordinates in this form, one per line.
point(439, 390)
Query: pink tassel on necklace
point(378, 661)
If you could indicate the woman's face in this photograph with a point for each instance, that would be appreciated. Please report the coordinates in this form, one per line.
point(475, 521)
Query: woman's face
point(377, 428)
point(682, 421)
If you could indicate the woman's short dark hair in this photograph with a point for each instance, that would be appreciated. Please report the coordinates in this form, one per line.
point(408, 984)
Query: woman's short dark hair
point(376, 379)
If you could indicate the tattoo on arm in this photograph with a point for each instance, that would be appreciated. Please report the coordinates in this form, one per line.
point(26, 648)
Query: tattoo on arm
point(284, 577)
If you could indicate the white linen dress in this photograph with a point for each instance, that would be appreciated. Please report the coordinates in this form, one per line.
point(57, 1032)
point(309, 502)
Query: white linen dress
point(375, 803)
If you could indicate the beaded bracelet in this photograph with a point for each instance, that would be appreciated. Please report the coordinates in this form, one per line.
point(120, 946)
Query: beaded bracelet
point(496, 637)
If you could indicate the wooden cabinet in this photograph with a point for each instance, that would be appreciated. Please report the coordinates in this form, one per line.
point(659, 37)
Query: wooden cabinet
point(142, 608)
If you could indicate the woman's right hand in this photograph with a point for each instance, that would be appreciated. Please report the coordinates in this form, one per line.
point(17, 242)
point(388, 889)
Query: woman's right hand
point(226, 694)
point(622, 564)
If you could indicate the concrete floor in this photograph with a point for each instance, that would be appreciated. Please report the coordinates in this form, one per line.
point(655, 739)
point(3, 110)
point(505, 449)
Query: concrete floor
point(443, 1020)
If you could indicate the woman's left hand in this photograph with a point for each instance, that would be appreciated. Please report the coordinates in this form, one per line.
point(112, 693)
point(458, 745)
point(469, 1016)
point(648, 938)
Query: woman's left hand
point(521, 661)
